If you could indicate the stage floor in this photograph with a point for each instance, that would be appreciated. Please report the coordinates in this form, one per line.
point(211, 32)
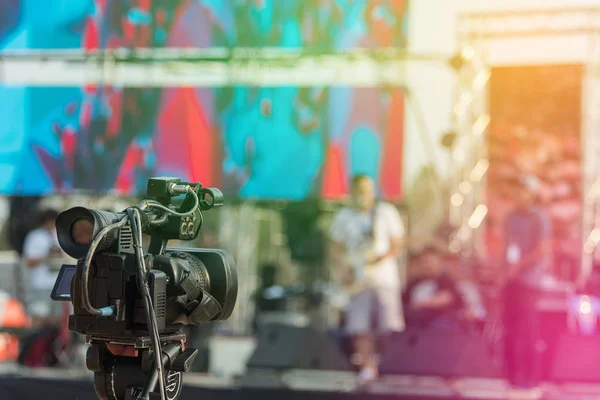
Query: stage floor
point(22, 384)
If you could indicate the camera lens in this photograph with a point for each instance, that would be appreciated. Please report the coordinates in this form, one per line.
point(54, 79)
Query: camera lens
point(82, 231)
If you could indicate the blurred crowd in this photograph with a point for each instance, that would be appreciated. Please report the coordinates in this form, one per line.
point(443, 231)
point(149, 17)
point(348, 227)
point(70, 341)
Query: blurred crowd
point(536, 132)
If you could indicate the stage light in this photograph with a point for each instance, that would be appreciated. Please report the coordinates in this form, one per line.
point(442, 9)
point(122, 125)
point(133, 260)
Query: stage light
point(457, 200)
point(465, 187)
point(455, 246)
point(468, 53)
point(480, 170)
point(459, 155)
point(595, 236)
point(481, 79)
point(463, 104)
point(463, 234)
point(478, 216)
point(583, 314)
point(481, 124)
point(585, 305)
point(589, 248)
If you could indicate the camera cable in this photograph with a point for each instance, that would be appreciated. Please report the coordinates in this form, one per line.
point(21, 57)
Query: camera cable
point(156, 204)
point(136, 229)
point(86, 268)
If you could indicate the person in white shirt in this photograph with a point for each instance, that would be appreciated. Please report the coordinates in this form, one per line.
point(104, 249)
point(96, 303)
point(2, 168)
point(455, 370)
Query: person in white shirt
point(41, 248)
point(365, 243)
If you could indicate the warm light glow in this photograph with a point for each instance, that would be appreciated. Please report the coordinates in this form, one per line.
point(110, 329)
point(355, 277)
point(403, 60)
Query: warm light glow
point(458, 155)
point(588, 247)
point(481, 124)
point(478, 216)
point(481, 79)
point(457, 200)
point(463, 104)
point(593, 192)
point(468, 53)
point(454, 246)
point(465, 187)
point(458, 111)
point(465, 99)
point(463, 234)
point(595, 236)
point(480, 169)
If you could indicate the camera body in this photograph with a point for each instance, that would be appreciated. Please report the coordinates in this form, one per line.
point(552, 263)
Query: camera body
point(113, 283)
point(124, 295)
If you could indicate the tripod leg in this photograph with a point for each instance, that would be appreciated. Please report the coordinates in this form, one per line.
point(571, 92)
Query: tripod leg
point(150, 385)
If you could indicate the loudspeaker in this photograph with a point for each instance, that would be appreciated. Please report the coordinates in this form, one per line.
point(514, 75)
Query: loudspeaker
point(417, 352)
point(288, 347)
point(577, 359)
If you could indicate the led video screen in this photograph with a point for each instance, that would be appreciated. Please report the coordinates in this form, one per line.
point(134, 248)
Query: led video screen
point(99, 139)
point(295, 143)
point(274, 140)
point(34, 24)
point(268, 142)
point(312, 24)
point(265, 143)
point(365, 130)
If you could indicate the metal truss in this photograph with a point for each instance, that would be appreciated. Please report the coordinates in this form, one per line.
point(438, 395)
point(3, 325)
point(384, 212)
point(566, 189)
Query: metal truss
point(474, 33)
point(470, 121)
point(209, 67)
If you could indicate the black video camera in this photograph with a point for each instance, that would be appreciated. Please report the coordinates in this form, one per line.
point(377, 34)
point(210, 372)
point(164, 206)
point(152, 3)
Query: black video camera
point(127, 297)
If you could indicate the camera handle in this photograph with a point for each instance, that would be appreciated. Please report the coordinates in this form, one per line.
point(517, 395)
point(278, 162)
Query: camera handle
point(135, 378)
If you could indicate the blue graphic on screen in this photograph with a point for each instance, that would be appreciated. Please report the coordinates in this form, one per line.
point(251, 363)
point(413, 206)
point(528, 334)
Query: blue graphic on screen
point(365, 152)
point(41, 24)
point(28, 114)
point(273, 141)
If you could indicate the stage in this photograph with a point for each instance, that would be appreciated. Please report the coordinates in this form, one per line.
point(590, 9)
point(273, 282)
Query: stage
point(20, 384)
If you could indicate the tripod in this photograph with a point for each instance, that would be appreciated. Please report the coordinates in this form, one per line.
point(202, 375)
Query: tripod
point(135, 378)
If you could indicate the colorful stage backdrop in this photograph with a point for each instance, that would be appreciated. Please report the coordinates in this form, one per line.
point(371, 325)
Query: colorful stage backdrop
point(284, 142)
point(536, 131)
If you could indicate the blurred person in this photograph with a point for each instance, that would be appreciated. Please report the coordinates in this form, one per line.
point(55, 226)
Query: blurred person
point(366, 240)
point(468, 287)
point(40, 251)
point(527, 240)
point(433, 299)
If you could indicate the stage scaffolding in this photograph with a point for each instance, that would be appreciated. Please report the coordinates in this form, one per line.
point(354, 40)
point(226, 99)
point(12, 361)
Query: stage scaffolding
point(475, 34)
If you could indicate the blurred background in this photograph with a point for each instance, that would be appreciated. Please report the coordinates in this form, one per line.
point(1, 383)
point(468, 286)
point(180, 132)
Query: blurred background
point(449, 107)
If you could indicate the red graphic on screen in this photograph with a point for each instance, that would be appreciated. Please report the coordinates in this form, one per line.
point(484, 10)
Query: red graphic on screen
point(390, 176)
point(334, 174)
point(368, 141)
point(182, 120)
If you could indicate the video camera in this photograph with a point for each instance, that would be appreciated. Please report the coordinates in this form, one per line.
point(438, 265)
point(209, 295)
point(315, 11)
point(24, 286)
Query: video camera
point(125, 296)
